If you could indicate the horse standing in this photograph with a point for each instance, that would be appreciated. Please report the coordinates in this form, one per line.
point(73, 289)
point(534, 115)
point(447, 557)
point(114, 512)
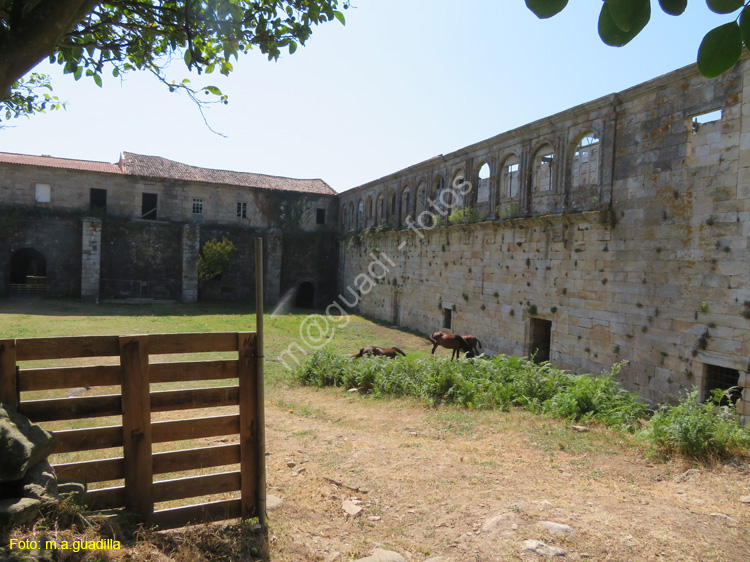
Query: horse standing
point(453, 342)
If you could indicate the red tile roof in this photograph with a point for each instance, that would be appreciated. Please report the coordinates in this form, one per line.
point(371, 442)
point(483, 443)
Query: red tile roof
point(161, 168)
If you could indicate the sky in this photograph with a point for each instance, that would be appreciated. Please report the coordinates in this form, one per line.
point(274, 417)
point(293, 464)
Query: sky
point(401, 82)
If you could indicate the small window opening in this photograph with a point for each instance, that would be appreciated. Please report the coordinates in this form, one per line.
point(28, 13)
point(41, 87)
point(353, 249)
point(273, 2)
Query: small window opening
point(708, 117)
point(541, 339)
point(98, 199)
point(43, 193)
point(448, 319)
point(510, 180)
point(719, 378)
point(241, 209)
point(483, 191)
point(320, 216)
point(197, 205)
point(148, 206)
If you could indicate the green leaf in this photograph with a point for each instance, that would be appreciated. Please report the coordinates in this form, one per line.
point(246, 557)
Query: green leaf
point(188, 57)
point(77, 73)
point(614, 35)
point(213, 89)
point(745, 26)
point(292, 47)
point(725, 6)
point(98, 80)
point(342, 19)
point(673, 7)
point(720, 49)
point(628, 14)
point(546, 8)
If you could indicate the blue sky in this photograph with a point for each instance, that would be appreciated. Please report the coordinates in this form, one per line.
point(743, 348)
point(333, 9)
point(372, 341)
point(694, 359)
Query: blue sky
point(403, 81)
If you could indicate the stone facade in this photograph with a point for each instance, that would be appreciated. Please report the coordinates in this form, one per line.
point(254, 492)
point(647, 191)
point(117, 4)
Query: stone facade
point(613, 231)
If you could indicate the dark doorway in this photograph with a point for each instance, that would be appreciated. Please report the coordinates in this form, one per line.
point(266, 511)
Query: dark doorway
point(717, 377)
point(305, 297)
point(28, 272)
point(396, 317)
point(541, 339)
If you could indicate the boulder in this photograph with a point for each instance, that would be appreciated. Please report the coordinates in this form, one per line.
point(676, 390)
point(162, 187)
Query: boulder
point(74, 489)
point(18, 511)
point(40, 483)
point(22, 444)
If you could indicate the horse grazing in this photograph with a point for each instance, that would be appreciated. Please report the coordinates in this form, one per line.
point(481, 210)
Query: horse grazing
point(375, 351)
point(453, 342)
point(474, 344)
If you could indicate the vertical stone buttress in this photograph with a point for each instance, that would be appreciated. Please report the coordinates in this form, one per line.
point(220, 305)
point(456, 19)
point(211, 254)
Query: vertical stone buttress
point(91, 258)
point(272, 250)
point(191, 245)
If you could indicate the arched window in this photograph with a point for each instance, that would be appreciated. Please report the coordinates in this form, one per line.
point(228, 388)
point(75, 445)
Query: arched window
point(392, 195)
point(483, 189)
point(405, 204)
point(360, 214)
point(379, 209)
point(421, 198)
point(510, 178)
point(544, 165)
point(438, 186)
point(586, 162)
point(352, 218)
point(369, 208)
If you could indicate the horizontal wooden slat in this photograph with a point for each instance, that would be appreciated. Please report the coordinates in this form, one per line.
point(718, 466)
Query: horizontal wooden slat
point(71, 440)
point(191, 398)
point(194, 428)
point(99, 470)
point(188, 459)
point(193, 371)
point(213, 511)
point(192, 343)
point(68, 377)
point(28, 349)
point(72, 408)
point(194, 486)
point(106, 498)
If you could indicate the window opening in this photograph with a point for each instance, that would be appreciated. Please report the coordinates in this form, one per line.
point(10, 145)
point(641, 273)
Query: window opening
point(305, 296)
point(148, 206)
point(586, 161)
point(707, 117)
point(511, 181)
point(197, 206)
point(320, 216)
point(98, 199)
point(541, 339)
point(43, 193)
point(448, 319)
point(28, 272)
point(241, 209)
point(483, 189)
point(719, 378)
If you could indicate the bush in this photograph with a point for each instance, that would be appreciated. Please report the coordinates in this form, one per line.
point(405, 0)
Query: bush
point(702, 431)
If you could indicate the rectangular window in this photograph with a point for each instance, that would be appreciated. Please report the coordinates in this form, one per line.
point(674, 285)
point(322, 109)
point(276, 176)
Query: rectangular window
point(43, 193)
point(98, 199)
point(197, 205)
point(448, 319)
point(149, 203)
point(241, 210)
point(320, 216)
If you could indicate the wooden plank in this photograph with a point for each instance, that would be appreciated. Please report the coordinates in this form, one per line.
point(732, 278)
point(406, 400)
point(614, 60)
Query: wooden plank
point(213, 511)
point(72, 440)
point(82, 407)
point(106, 498)
point(251, 448)
point(195, 486)
point(193, 371)
point(8, 378)
point(99, 470)
point(29, 349)
point(191, 398)
point(68, 377)
point(136, 425)
point(190, 459)
point(192, 343)
point(195, 428)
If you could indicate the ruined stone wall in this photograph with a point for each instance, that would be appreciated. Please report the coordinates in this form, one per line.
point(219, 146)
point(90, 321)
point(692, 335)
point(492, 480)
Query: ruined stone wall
point(649, 263)
point(311, 258)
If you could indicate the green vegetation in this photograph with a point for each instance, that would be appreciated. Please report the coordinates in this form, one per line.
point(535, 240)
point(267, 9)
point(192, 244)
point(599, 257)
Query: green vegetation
point(216, 257)
point(463, 215)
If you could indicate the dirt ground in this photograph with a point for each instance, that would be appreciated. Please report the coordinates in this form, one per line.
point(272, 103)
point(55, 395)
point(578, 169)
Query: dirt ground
point(476, 486)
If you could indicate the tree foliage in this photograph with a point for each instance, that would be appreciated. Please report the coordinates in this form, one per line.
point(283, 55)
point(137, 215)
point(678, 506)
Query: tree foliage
point(621, 20)
point(215, 258)
point(91, 38)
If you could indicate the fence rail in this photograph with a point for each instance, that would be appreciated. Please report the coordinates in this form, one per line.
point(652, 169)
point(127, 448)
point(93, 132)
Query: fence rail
point(137, 433)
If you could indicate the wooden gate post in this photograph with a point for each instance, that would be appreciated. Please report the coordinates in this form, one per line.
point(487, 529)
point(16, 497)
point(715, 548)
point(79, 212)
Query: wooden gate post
point(8, 378)
point(136, 426)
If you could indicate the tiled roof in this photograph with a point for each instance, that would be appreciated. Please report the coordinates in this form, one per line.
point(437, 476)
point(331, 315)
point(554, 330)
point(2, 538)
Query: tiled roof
point(50, 162)
point(157, 167)
point(161, 168)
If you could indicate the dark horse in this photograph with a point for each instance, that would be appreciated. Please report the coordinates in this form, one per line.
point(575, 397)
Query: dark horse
point(378, 351)
point(474, 344)
point(453, 342)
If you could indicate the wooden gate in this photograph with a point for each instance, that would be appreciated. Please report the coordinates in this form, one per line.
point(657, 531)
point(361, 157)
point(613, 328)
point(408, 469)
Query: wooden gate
point(135, 403)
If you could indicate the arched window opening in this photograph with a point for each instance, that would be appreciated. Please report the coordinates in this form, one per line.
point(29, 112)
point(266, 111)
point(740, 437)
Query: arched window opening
point(544, 162)
point(393, 202)
point(483, 189)
point(586, 162)
point(511, 182)
point(28, 272)
point(379, 210)
point(405, 205)
point(360, 214)
point(369, 208)
point(438, 187)
point(421, 198)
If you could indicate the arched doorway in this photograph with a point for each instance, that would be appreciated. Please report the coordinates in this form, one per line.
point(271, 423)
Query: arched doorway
point(28, 272)
point(305, 297)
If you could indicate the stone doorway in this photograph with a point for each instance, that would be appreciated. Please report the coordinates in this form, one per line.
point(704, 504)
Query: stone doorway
point(28, 272)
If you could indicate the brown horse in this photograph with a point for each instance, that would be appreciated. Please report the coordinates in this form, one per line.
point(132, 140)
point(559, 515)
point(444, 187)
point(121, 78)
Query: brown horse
point(379, 351)
point(474, 344)
point(453, 342)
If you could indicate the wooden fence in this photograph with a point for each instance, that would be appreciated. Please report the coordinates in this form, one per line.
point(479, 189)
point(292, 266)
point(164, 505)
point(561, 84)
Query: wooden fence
point(135, 403)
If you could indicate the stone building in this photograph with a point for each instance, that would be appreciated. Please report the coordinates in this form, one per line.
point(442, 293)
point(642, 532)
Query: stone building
point(613, 231)
point(134, 229)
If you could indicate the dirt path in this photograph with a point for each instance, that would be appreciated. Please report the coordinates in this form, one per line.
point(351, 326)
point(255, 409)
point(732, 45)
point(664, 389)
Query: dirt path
point(474, 486)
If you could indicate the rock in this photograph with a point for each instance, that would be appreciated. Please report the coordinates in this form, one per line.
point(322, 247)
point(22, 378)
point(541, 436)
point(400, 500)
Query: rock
point(351, 508)
point(380, 555)
point(273, 502)
point(580, 428)
point(538, 547)
point(745, 499)
point(556, 528)
point(40, 483)
point(22, 444)
point(498, 522)
point(18, 511)
point(725, 517)
point(74, 489)
point(688, 476)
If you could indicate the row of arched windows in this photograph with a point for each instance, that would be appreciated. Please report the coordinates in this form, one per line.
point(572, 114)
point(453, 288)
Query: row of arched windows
point(395, 206)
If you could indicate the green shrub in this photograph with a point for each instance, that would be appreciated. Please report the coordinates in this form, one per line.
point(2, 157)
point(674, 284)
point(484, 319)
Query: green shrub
point(701, 431)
